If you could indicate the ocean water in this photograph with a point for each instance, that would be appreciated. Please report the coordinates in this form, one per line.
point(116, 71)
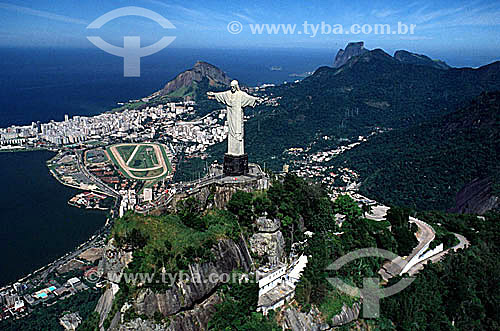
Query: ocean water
point(45, 84)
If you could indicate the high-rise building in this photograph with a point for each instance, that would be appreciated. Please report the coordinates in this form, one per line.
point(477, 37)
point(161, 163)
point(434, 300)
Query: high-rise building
point(148, 194)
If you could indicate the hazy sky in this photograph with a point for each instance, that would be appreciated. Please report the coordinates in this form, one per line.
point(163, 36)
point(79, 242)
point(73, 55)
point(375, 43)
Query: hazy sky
point(473, 26)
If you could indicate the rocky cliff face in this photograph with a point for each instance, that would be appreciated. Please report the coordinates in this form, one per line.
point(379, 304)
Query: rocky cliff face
point(105, 302)
point(296, 320)
point(476, 198)
point(112, 263)
point(188, 303)
point(201, 283)
point(194, 319)
point(218, 194)
point(419, 59)
point(352, 49)
point(268, 241)
point(199, 71)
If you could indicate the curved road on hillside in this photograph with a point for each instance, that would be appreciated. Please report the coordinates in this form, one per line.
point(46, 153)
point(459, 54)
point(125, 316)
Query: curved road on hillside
point(464, 243)
point(425, 235)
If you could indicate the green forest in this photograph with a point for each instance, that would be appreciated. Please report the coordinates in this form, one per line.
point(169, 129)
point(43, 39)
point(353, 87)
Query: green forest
point(424, 166)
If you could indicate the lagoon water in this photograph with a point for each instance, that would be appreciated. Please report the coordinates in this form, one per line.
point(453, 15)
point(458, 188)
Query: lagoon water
point(36, 224)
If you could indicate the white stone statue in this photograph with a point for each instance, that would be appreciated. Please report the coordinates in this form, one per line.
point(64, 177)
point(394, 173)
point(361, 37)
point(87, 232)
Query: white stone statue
point(235, 100)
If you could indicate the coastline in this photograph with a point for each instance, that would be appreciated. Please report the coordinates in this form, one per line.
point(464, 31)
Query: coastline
point(97, 235)
point(15, 150)
point(66, 257)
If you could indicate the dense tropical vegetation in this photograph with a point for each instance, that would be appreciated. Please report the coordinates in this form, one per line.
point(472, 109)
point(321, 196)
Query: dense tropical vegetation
point(459, 293)
point(423, 167)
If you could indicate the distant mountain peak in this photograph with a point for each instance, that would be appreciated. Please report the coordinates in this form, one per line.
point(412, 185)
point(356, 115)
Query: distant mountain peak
point(203, 64)
point(352, 49)
point(201, 70)
point(376, 56)
point(377, 53)
point(419, 59)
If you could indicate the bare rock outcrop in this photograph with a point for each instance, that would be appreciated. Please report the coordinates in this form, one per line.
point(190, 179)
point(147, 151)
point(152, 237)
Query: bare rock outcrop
point(351, 50)
point(105, 302)
point(476, 198)
point(194, 319)
point(188, 303)
point(268, 241)
point(113, 262)
point(199, 71)
point(296, 320)
point(200, 283)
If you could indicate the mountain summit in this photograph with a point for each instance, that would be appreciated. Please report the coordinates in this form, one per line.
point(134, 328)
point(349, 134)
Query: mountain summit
point(419, 59)
point(357, 49)
point(352, 49)
point(200, 71)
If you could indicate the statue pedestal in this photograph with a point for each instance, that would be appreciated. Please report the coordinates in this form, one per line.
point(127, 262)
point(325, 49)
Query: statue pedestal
point(235, 165)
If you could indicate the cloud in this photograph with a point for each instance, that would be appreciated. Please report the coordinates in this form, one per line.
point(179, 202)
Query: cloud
point(245, 17)
point(422, 17)
point(43, 14)
point(382, 13)
point(189, 14)
point(470, 15)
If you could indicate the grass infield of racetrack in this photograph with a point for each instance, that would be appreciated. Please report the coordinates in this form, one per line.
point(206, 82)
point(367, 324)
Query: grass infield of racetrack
point(144, 163)
point(144, 158)
point(125, 151)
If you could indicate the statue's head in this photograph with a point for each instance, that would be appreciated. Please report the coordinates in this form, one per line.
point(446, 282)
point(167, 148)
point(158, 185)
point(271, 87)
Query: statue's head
point(235, 86)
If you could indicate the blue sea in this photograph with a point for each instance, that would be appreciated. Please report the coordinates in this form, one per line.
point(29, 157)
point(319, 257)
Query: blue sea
point(45, 84)
point(36, 224)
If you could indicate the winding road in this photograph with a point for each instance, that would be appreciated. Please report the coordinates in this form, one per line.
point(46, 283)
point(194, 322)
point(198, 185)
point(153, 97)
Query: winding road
point(425, 235)
point(464, 243)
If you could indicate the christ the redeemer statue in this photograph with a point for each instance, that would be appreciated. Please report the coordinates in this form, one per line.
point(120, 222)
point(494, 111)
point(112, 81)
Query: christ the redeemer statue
point(235, 161)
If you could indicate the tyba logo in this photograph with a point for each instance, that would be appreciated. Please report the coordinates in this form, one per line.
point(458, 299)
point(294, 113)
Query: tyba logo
point(371, 293)
point(131, 50)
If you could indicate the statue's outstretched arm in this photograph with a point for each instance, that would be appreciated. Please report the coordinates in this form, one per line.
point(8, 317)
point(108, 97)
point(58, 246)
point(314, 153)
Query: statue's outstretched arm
point(220, 97)
point(249, 100)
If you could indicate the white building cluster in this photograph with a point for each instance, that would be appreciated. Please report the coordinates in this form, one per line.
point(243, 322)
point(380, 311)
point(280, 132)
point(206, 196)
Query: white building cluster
point(81, 128)
point(128, 201)
point(201, 133)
